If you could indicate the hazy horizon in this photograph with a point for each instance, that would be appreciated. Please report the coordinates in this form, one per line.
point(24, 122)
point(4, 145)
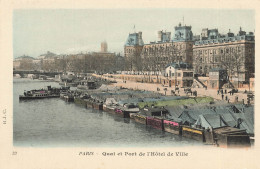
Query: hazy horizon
point(66, 31)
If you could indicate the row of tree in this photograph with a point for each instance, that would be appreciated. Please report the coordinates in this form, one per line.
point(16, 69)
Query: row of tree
point(85, 63)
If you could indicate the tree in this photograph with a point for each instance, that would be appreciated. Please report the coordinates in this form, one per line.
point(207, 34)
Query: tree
point(233, 63)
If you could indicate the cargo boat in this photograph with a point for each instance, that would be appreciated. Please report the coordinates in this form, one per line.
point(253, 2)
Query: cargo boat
point(193, 133)
point(172, 126)
point(227, 137)
point(69, 98)
point(109, 105)
point(140, 118)
point(81, 100)
point(109, 108)
point(97, 105)
point(125, 110)
point(155, 122)
point(156, 117)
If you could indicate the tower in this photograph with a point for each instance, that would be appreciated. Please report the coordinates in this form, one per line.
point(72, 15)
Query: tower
point(132, 49)
point(104, 47)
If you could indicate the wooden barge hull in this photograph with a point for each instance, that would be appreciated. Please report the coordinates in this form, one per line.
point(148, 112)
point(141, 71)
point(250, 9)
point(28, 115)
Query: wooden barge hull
point(97, 106)
point(69, 99)
point(140, 119)
point(109, 109)
point(155, 123)
point(123, 113)
point(80, 102)
point(89, 104)
point(193, 133)
point(172, 127)
point(119, 112)
point(37, 97)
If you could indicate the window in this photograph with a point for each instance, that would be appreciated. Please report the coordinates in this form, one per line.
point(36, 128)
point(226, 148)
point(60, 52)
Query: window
point(239, 49)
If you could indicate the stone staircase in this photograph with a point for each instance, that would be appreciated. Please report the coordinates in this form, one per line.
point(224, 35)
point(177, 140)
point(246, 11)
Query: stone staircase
point(198, 84)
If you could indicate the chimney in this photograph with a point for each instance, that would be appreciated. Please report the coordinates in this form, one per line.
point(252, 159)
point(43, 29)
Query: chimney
point(139, 37)
point(159, 36)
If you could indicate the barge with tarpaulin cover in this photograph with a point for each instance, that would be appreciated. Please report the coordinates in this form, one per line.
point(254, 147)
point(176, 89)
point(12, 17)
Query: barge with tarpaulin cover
point(155, 116)
point(109, 105)
point(81, 100)
point(230, 137)
point(125, 110)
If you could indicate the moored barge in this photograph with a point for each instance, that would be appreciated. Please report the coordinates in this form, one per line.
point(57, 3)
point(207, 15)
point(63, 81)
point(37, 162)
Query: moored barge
point(172, 126)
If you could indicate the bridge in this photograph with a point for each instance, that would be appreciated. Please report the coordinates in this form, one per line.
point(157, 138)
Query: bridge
point(35, 72)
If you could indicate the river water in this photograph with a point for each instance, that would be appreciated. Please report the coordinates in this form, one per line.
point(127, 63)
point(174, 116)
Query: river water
point(55, 123)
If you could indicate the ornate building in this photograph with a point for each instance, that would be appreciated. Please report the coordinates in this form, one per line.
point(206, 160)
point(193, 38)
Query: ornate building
point(156, 55)
point(132, 50)
point(236, 54)
point(210, 49)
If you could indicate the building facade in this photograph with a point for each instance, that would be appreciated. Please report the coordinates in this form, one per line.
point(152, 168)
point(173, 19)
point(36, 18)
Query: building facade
point(132, 50)
point(156, 55)
point(217, 78)
point(179, 74)
point(235, 53)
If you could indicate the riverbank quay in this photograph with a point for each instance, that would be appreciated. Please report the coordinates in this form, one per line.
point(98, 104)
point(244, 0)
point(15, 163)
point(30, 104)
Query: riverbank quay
point(138, 82)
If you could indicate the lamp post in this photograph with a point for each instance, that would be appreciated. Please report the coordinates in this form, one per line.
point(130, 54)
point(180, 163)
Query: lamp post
point(175, 78)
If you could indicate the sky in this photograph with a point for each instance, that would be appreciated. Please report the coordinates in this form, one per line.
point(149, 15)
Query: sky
point(68, 31)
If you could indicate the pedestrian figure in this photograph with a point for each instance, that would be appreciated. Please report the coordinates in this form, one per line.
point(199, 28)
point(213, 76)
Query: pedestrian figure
point(226, 98)
point(221, 91)
point(222, 96)
point(225, 91)
point(218, 92)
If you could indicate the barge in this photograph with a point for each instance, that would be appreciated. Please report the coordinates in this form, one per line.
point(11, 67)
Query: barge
point(125, 110)
point(193, 133)
point(172, 126)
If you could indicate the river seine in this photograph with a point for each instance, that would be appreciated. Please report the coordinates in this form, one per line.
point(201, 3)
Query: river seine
point(55, 123)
